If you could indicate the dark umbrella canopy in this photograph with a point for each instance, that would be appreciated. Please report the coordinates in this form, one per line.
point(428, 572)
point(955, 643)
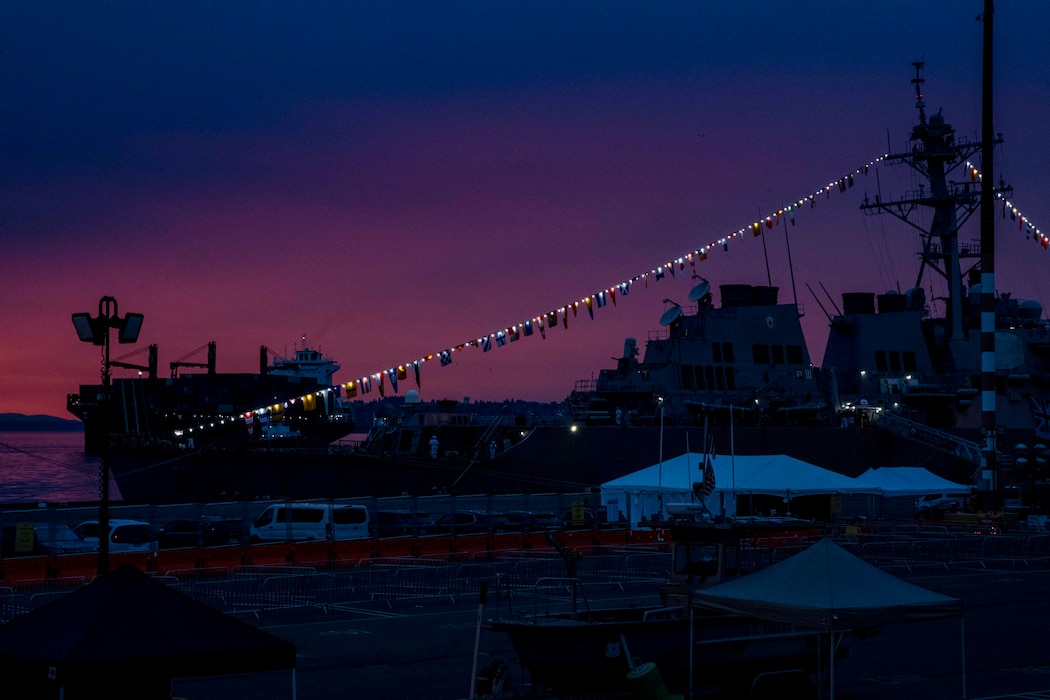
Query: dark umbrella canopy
point(127, 625)
point(825, 587)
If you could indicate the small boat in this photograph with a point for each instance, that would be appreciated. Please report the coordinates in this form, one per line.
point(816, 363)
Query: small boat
point(676, 643)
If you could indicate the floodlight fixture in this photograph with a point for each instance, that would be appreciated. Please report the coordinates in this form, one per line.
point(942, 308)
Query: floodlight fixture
point(85, 326)
point(130, 326)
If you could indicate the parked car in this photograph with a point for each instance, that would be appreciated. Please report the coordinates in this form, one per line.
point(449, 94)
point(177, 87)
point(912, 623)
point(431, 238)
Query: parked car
point(310, 521)
point(588, 522)
point(531, 521)
point(47, 538)
point(203, 531)
point(933, 505)
point(124, 535)
point(399, 523)
point(467, 522)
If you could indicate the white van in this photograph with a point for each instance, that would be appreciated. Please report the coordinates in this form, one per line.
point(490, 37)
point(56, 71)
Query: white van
point(285, 522)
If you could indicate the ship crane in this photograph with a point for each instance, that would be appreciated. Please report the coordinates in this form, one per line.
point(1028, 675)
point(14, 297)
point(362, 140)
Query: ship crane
point(150, 368)
point(209, 365)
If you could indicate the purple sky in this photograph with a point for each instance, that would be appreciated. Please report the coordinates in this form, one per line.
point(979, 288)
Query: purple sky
point(392, 179)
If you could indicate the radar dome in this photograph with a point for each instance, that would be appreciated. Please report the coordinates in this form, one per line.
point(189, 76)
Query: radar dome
point(411, 396)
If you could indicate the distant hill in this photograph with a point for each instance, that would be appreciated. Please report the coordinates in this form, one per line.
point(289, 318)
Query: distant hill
point(18, 422)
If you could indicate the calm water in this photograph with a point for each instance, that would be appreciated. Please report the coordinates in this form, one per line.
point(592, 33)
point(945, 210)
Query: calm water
point(52, 467)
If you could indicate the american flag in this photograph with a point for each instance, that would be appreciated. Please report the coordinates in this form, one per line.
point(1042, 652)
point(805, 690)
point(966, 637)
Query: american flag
point(708, 486)
point(708, 469)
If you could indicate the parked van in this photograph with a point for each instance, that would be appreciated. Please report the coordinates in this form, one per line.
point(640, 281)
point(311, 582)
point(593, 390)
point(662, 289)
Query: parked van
point(310, 521)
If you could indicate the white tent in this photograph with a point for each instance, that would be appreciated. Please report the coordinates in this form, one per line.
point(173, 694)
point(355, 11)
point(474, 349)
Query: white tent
point(902, 485)
point(910, 481)
point(638, 496)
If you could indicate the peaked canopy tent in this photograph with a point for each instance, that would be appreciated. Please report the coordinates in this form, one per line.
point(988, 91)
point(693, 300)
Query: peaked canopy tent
point(910, 481)
point(646, 492)
point(825, 587)
point(901, 486)
point(130, 635)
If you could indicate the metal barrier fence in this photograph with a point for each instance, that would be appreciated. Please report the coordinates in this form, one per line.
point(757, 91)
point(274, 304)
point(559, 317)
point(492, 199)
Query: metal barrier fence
point(330, 584)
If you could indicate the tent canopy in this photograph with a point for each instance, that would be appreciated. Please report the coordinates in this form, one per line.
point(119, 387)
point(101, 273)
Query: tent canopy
point(774, 475)
point(827, 588)
point(127, 621)
point(740, 475)
point(910, 481)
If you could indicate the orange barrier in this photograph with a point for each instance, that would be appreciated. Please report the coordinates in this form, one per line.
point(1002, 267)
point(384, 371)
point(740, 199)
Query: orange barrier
point(403, 547)
point(270, 554)
point(460, 548)
point(177, 559)
point(310, 551)
point(70, 565)
point(26, 569)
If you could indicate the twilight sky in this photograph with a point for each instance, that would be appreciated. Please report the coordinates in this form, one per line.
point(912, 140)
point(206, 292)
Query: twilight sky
point(393, 179)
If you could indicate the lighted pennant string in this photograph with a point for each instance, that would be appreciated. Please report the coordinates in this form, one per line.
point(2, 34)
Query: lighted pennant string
point(547, 321)
point(1024, 224)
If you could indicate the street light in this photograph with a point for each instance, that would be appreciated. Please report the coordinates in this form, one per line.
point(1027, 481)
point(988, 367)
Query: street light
point(95, 330)
point(660, 479)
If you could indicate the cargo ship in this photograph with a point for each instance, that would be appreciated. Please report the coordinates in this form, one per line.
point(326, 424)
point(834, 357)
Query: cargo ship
point(187, 408)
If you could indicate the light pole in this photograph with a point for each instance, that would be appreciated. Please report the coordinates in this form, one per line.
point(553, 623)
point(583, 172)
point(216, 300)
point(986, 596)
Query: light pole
point(96, 331)
point(660, 477)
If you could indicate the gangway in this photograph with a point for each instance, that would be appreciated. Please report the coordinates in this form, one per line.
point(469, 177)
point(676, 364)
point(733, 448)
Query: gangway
point(938, 439)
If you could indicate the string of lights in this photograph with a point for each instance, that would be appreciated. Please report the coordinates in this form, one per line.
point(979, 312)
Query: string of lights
point(379, 380)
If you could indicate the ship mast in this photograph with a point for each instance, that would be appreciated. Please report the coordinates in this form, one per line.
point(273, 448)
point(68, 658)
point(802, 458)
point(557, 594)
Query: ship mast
point(936, 153)
point(990, 493)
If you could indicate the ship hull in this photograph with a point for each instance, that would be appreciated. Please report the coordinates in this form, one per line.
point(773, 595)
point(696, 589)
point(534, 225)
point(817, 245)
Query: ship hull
point(544, 459)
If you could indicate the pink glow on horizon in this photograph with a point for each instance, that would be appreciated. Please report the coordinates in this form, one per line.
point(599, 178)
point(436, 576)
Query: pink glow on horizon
point(385, 228)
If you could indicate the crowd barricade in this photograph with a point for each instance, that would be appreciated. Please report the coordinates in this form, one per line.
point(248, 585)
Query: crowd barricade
point(525, 572)
point(36, 593)
point(1039, 549)
point(647, 566)
point(386, 581)
point(1008, 549)
point(468, 576)
point(938, 552)
point(198, 573)
point(285, 591)
point(889, 554)
point(347, 585)
point(425, 581)
point(322, 574)
point(968, 550)
point(229, 595)
point(12, 604)
point(755, 558)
